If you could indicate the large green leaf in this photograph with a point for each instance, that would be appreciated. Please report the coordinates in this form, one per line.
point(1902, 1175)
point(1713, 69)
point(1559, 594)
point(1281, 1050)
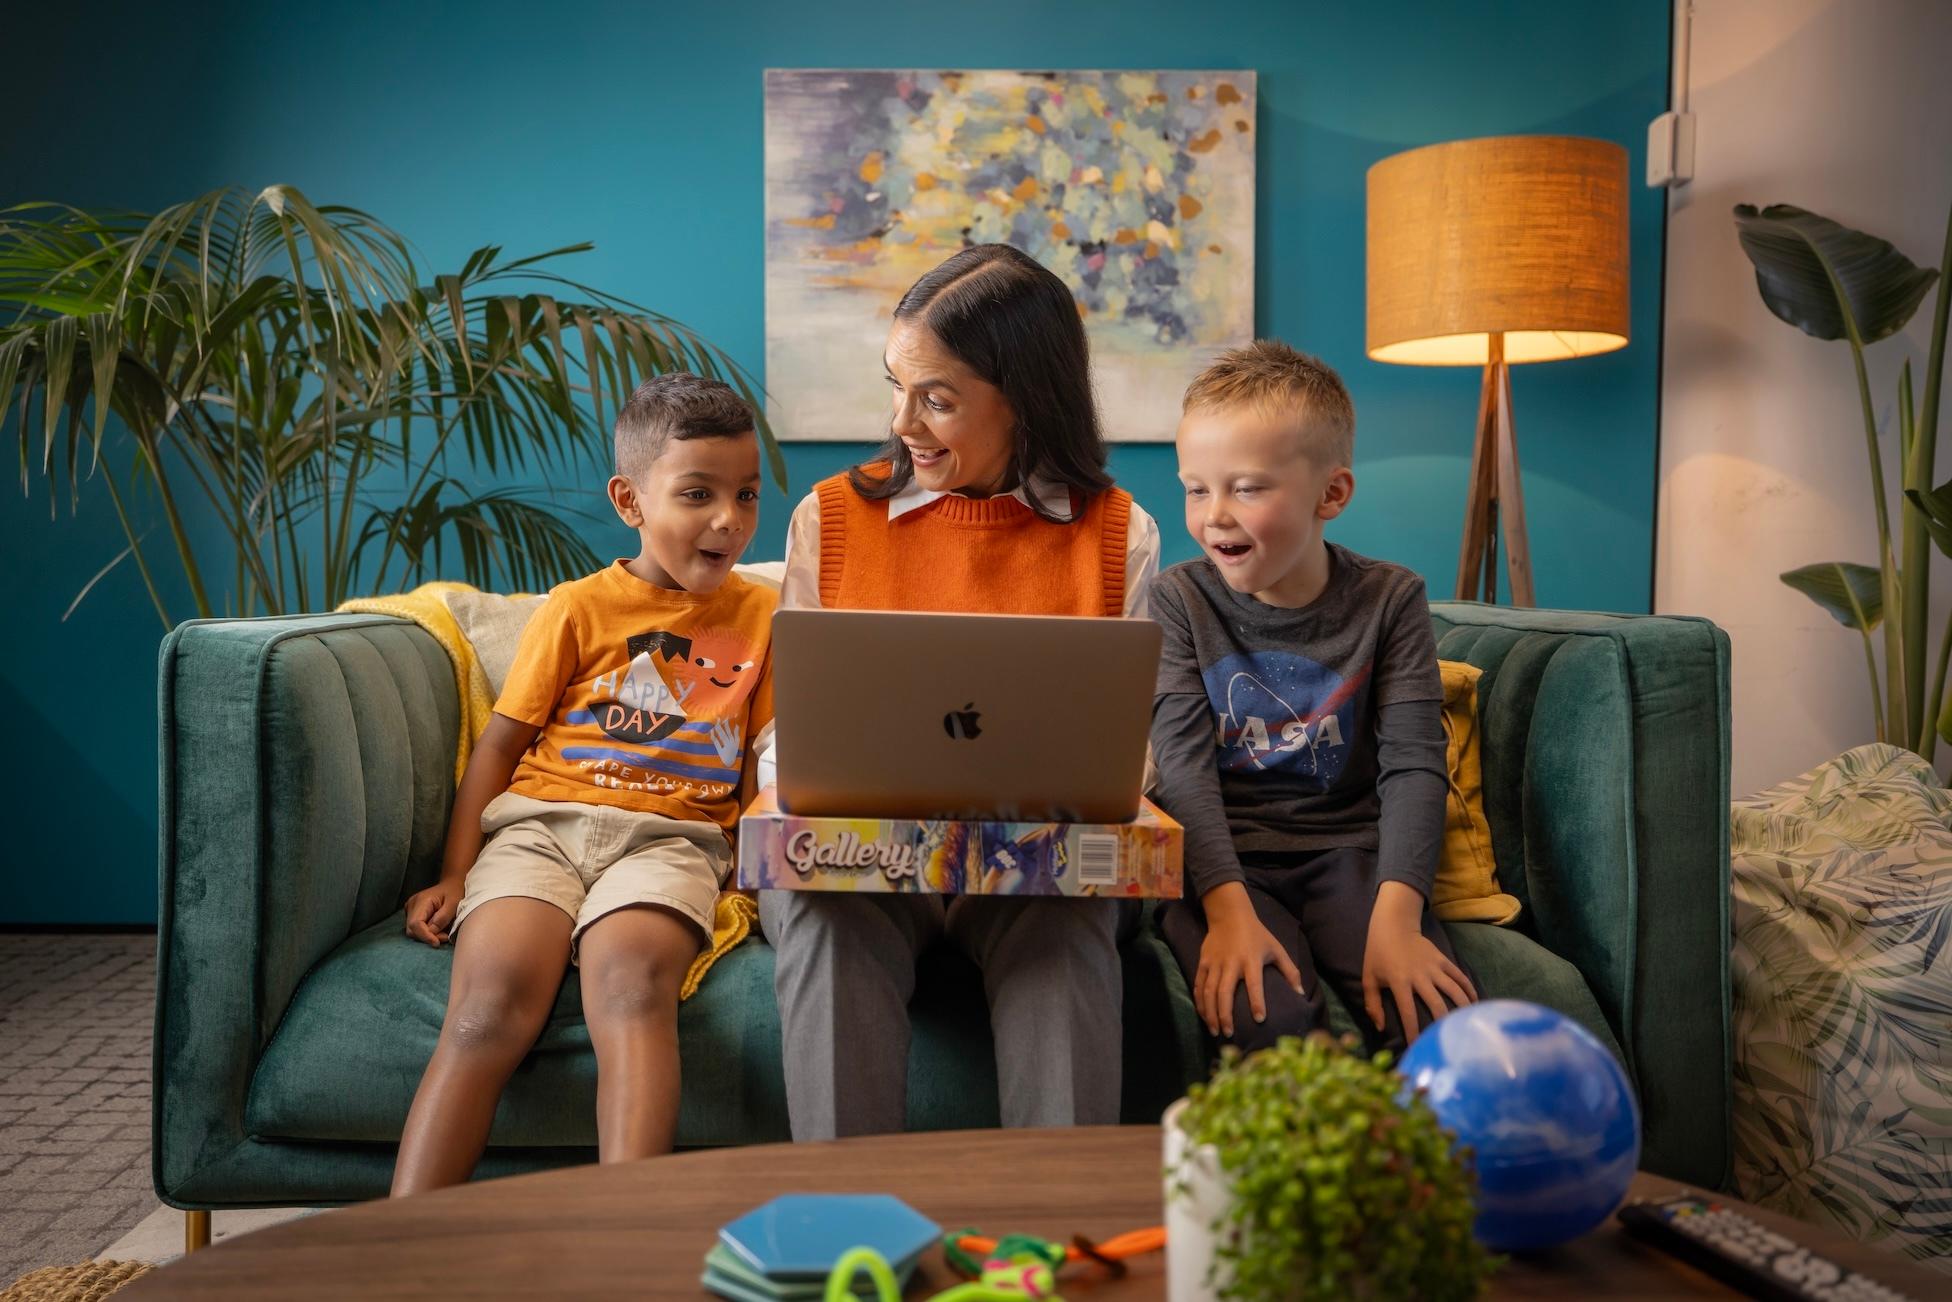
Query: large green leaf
point(1853, 594)
point(1936, 506)
point(1808, 269)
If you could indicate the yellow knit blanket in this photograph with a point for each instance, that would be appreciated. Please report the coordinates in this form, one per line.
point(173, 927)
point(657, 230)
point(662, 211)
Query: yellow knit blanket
point(426, 606)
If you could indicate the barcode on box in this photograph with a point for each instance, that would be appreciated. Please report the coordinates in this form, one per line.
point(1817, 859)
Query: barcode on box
point(1097, 859)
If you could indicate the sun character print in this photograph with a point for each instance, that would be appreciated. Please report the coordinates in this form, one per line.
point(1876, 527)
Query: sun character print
point(696, 680)
point(1278, 712)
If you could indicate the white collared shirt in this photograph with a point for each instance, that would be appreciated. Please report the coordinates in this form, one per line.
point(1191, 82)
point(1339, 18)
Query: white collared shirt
point(800, 589)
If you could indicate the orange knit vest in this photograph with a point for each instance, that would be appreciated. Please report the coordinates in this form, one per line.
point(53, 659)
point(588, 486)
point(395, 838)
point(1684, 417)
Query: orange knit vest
point(975, 555)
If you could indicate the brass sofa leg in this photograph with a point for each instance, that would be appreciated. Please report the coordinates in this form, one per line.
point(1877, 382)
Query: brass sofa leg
point(196, 1231)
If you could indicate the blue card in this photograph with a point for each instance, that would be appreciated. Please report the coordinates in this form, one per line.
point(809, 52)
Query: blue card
point(801, 1236)
point(731, 1276)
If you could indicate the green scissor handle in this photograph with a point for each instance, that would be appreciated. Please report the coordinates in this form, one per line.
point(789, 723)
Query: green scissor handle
point(840, 1280)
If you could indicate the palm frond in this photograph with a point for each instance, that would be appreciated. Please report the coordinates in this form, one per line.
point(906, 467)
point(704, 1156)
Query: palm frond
point(498, 536)
point(287, 368)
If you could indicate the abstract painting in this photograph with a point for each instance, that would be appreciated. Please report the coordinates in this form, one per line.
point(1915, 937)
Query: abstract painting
point(1136, 188)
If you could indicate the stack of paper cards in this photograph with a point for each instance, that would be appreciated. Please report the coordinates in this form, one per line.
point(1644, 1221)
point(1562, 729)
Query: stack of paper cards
point(783, 1251)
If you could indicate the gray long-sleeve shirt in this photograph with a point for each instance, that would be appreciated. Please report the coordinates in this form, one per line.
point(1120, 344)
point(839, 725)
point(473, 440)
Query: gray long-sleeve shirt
point(1280, 730)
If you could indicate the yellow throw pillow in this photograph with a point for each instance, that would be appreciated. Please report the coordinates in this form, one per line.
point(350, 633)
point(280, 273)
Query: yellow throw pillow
point(1466, 889)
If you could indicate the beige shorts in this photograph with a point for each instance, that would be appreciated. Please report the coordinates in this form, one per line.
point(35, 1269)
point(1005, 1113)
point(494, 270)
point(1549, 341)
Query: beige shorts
point(589, 860)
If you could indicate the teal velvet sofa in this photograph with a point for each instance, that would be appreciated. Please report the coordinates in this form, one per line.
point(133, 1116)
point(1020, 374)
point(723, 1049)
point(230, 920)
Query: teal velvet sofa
point(307, 769)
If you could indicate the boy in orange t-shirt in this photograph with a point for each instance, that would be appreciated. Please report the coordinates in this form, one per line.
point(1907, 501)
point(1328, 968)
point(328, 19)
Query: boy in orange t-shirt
point(606, 787)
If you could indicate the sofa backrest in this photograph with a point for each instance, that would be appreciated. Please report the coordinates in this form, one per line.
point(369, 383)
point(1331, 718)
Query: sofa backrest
point(304, 745)
point(1606, 783)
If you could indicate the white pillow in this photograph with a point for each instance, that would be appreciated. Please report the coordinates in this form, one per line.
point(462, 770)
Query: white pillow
point(766, 573)
point(493, 625)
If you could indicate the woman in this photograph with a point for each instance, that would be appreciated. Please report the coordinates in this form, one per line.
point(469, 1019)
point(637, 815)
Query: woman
point(990, 495)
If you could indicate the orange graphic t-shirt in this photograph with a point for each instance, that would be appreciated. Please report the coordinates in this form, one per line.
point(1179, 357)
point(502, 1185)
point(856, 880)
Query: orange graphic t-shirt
point(647, 697)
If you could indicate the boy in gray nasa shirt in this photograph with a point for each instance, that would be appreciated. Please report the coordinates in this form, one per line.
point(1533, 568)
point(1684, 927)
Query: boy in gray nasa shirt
point(1297, 724)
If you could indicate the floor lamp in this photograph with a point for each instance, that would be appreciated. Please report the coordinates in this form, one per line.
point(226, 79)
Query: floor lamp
point(1491, 253)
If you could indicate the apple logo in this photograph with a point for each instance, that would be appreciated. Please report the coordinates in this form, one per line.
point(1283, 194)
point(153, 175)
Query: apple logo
point(961, 724)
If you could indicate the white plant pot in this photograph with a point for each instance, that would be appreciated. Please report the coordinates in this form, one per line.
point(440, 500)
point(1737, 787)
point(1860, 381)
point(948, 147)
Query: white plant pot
point(1197, 1194)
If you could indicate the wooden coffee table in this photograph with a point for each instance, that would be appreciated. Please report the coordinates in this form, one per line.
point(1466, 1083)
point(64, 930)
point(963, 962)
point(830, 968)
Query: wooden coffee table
point(641, 1229)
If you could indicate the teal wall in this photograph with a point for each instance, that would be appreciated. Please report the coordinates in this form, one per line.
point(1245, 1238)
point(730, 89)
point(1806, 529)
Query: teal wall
point(639, 127)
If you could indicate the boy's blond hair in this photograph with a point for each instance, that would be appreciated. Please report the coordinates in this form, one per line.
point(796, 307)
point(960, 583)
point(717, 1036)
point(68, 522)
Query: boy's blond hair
point(1282, 383)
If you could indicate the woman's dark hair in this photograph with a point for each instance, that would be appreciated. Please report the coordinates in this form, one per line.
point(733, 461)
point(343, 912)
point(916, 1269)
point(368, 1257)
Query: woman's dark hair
point(1008, 319)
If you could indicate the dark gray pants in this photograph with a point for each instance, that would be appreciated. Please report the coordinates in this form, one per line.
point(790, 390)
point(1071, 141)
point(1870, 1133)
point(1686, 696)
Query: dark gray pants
point(1317, 906)
point(846, 970)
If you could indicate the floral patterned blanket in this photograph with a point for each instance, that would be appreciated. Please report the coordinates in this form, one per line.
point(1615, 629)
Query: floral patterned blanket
point(1842, 975)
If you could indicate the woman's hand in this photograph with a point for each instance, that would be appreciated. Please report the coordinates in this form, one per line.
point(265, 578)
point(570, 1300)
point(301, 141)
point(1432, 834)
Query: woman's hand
point(1400, 958)
point(1237, 947)
point(430, 913)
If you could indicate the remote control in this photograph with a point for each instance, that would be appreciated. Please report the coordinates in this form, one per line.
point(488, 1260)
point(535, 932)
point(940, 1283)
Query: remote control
point(1745, 1255)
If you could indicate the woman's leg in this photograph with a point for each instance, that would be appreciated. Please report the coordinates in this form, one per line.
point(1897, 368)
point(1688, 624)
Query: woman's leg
point(509, 961)
point(1057, 992)
point(845, 971)
point(633, 961)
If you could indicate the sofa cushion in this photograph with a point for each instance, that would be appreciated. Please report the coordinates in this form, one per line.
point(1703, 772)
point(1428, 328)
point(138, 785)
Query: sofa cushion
point(349, 1053)
point(345, 1061)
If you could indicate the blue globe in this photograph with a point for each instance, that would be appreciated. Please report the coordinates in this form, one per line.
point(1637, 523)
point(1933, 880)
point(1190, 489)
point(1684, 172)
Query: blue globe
point(1546, 1109)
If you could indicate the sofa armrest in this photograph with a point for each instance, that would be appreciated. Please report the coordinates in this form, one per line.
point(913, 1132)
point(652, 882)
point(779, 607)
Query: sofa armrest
point(307, 767)
point(1606, 776)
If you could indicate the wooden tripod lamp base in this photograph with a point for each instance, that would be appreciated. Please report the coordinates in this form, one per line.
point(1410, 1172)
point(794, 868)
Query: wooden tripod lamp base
point(1497, 501)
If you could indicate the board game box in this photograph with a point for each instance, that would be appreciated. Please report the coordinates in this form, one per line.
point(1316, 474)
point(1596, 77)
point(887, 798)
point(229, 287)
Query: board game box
point(781, 851)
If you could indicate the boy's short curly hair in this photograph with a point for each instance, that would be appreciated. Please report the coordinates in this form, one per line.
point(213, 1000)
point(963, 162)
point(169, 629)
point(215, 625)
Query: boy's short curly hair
point(677, 405)
point(1282, 383)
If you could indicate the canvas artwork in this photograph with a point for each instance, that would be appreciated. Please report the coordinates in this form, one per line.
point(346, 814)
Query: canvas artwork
point(1136, 188)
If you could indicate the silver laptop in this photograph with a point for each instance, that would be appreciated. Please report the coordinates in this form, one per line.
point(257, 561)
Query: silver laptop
point(898, 715)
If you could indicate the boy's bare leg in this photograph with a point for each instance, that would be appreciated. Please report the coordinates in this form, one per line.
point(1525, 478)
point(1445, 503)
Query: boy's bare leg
point(633, 962)
point(509, 962)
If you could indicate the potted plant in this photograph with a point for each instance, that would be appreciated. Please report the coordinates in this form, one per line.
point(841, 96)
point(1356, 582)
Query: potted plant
point(1832, 282)
point(286, 412)
point(1308, 1171)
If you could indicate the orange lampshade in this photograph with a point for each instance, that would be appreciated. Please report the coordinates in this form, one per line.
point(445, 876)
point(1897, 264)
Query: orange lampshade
point(1520, 235)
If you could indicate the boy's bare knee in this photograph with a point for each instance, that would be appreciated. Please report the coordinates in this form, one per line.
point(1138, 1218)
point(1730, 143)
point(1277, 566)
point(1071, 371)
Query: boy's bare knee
point(633, 991)
point(493, 1017)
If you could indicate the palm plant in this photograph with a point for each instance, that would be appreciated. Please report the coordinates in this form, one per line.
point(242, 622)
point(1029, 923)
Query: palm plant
point(1832, 282)
point(280, 368)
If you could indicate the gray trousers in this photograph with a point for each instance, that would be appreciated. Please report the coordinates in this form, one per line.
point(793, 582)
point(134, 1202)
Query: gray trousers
point(846, 970)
